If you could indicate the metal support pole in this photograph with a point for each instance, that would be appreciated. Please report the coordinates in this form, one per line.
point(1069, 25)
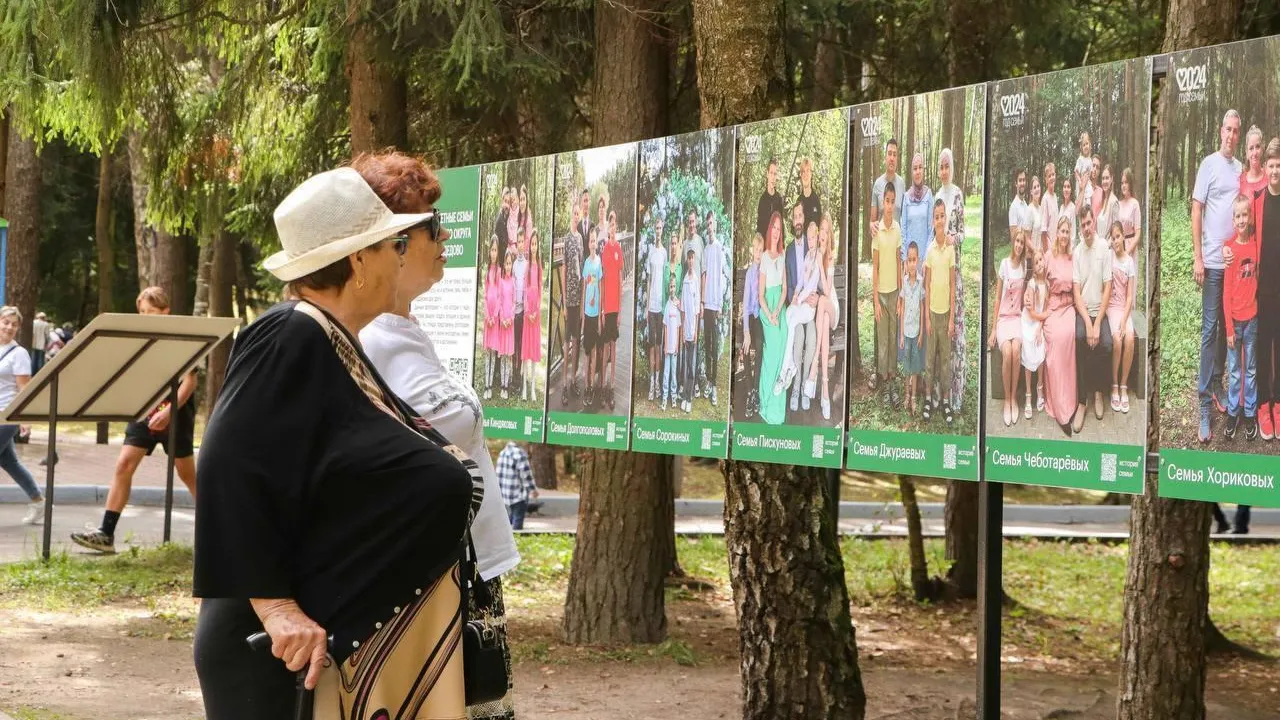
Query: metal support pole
point(173, 443)
point(990, 594)
point(50, 460)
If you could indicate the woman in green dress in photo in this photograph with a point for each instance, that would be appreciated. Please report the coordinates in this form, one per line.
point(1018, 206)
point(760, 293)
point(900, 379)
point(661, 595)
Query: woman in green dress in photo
point(773, 287)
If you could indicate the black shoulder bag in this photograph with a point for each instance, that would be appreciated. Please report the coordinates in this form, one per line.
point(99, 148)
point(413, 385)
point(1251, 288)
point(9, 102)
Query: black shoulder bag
point(483, 663)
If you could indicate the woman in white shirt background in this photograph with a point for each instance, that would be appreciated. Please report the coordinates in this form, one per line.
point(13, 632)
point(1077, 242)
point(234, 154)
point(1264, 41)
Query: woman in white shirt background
point(15, 373)
point(404, 355)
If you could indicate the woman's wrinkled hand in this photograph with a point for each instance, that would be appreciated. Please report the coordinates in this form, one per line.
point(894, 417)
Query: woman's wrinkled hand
point(295, 638)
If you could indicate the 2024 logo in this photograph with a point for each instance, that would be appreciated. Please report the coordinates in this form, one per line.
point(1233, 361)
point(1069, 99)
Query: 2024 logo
point(870, 127)
point(1192, 82)
point(1013, 109)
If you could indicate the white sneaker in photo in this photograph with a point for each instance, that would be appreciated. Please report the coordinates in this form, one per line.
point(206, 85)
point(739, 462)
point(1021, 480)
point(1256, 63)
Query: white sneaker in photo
point(35, 514)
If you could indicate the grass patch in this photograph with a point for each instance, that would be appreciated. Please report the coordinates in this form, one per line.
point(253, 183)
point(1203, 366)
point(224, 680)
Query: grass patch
point(33, 713)
point(67, 581)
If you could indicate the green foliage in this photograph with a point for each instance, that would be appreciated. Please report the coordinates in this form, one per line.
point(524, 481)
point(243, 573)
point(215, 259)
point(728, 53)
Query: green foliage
point(76, 581)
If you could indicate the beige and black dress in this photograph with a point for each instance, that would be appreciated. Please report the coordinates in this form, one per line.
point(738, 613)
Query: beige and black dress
point(323, 487)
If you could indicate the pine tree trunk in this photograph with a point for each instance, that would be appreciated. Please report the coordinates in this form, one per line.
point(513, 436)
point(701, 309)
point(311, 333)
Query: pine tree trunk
point(826, 70)
point(626, 511)
point(222, 275)
point(170, 270)
point(144, 235)
point(102, 235)
point(961, 514)
point(543, 459)
point(616, 580)
point(798, 655)
point(629, 99)
point(22, 203)
point(379, 92)
point(1166, 593)
point(204, 265)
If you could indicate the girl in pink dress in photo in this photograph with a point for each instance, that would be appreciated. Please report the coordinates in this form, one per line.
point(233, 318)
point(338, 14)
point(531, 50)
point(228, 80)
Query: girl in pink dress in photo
point(492, 319)
point(1060, 331)
point(1120, 317)
point(531, 343)
point(1006, 332)
point(1129, 213)
point(507, 315)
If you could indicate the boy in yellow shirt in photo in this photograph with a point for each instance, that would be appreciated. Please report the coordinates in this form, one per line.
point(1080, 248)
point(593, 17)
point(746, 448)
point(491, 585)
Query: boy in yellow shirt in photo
point(940, 322)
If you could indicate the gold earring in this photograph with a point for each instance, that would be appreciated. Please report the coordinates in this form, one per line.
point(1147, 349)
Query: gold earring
point(359, 283)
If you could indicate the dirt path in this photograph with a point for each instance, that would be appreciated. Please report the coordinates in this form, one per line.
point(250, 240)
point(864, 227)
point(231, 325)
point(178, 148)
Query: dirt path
point(116, 664)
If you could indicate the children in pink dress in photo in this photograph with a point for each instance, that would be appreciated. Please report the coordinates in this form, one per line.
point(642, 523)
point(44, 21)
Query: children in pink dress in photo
point(492, 318)
point(507, 313)
point(531, 342)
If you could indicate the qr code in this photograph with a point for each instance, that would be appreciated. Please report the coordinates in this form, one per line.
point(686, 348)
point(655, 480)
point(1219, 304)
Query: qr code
point(528, 425)
point(818, 445)
point(706, 438)
point(459, 366)
point(612, 431)
point(948, 456)
point(1108, 467)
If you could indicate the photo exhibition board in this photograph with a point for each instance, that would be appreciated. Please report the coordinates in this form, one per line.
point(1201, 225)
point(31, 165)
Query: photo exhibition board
point(592, 298)
point(1066, 278)
point(916, 182)
point(1220, 292)
point(789, 233)
point(684, 295)
point(448, 309)
point(512, 318)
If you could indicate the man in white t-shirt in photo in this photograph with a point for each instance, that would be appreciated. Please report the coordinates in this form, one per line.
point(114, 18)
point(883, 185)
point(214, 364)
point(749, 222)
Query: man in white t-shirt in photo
point(1018, 208)
point(656, 297)
point(1217, 184)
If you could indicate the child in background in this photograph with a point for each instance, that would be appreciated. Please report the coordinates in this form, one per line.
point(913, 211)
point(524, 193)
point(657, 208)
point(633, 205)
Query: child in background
point(939, 322)
point(531, 343)
point(1120, 317)
point(1084, 170)
point(507, 313)
point(592, 276)
point(752, 331)
point(492, 318)
point(886, 273)
point(911, 310)
point(670, 346)
point(691, 320)
point(1240, 302)
point(1035, 308)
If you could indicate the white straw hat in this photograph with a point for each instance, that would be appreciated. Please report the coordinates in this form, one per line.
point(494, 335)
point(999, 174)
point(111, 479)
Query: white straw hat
point(328, 217)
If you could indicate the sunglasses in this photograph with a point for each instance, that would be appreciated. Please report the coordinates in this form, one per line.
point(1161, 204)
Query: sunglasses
point(431, 225)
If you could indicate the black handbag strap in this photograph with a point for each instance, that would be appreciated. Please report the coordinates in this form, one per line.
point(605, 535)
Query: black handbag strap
point(470, 581)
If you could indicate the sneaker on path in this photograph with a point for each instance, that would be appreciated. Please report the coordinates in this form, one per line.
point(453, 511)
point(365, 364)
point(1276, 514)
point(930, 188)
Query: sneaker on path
point(94, 539)
point(35, 513)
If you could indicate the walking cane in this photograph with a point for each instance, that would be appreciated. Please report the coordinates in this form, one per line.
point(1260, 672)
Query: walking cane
point(304, 698)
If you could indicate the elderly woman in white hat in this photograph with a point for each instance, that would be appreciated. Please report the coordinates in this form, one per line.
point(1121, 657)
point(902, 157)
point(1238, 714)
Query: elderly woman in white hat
point(333, 515)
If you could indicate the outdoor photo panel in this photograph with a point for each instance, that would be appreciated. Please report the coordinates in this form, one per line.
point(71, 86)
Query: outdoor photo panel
point(592, 298)
point(684, 295)
point(1066, 332)
point(449, 308)
point(915, 188)
point(1220, 292)
point(511, 318)
point(789, 289)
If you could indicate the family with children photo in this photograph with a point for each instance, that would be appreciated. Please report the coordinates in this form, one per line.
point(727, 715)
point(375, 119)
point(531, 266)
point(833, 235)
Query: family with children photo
point(1067, 292)
point(684, 288)
point(917, 182)
point(515, 224)
point(789, 352)
point(593, 282)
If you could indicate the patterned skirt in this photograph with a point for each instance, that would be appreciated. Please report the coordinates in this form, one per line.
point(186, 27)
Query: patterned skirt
point(494, 617)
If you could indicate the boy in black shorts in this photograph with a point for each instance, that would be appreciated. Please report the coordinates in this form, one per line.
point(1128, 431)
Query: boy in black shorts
point(141, 438)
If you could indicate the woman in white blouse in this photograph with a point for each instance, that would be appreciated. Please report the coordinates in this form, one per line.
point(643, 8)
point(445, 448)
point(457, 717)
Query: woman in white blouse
point(404, 355)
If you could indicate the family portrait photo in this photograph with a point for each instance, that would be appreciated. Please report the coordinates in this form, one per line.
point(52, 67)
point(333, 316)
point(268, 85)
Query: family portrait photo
point(1066, 336)
point(789, 271)
point(593, 282)
point(514, 255)
point(684, 273)
point(916, 183)
point(1220, 251)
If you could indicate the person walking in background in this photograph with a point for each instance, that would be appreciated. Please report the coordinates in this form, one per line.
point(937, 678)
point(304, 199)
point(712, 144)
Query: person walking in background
point(1240, 302)
point(515, 477)
point(15, 373)
point(39, 338)
point(715, 263)
point(1217, 184)
point(141, 439)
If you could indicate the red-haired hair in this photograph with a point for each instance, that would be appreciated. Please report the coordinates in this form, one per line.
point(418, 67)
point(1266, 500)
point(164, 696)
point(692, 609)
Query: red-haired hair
point(403, 182)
